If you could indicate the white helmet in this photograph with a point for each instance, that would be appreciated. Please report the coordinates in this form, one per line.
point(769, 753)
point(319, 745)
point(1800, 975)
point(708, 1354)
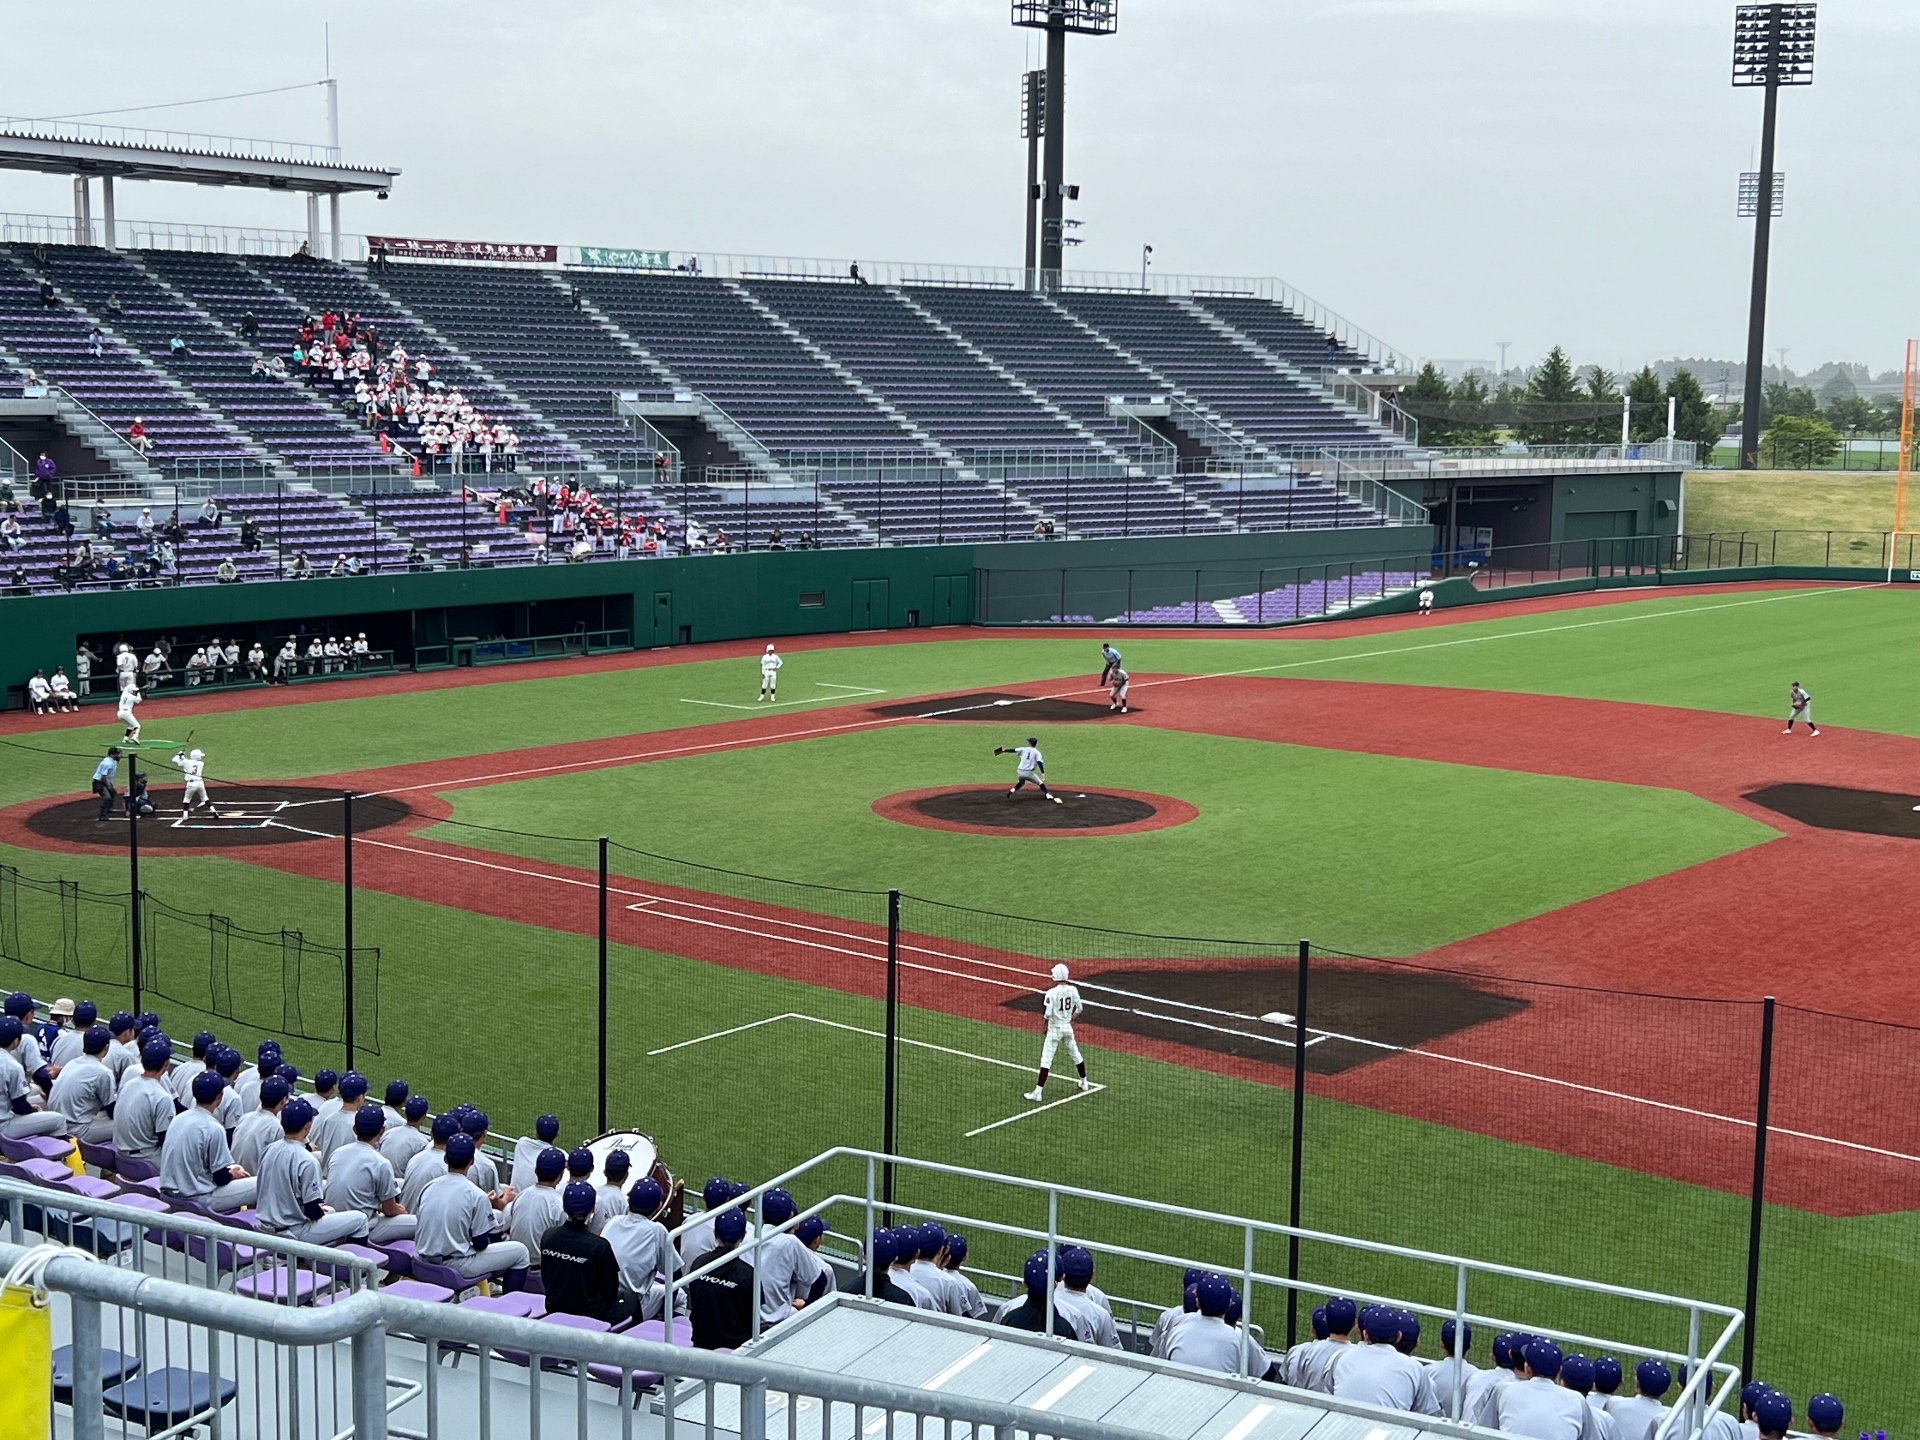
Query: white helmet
point(1060, 974)
point(196, 754)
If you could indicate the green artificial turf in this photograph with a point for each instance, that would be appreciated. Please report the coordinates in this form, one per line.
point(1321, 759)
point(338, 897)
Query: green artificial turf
point(1364, 852)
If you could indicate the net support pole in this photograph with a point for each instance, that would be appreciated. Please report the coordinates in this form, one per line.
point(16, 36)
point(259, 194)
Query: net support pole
point(602, 1039)
point(1299, 1121)
point(346, 915)
point(888, 1115)
point(1758, 1202)
point(133, 897)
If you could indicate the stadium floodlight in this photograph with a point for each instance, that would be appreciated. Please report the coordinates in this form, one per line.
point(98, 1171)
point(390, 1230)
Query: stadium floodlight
point(1748, 205)
point(1033, 125)
point(1046, 120)
point(1772, 46)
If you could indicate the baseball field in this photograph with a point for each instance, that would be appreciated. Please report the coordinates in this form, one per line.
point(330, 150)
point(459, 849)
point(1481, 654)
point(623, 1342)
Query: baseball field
point(1551, 857)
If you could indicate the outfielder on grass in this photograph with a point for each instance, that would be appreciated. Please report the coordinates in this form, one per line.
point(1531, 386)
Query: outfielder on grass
point(1032, 768)
point(770, 664)
point(1060, 1004)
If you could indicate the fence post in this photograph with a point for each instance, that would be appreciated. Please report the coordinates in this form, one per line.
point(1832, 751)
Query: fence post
point(369, 1361)
point(133, 891)
point(893, 1046)
point(1761, 1105)
point(1299, 1119)
point(346, 901)
point(89, 1421)
point(602, 1086)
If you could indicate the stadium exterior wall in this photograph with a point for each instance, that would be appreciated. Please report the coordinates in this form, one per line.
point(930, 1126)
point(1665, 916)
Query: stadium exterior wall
point(674, 601)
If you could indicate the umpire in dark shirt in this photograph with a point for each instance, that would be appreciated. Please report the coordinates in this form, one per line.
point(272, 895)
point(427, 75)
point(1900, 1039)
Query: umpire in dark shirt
point(578, 1268)
point(882, 1251)
point(720, 1304)
point(1031, 1313)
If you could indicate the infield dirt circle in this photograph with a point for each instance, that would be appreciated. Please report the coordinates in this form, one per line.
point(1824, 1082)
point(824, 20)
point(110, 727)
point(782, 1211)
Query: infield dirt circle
point(989, 810)
point(243, 815)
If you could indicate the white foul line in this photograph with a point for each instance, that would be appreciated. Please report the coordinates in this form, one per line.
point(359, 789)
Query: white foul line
point(853, 692)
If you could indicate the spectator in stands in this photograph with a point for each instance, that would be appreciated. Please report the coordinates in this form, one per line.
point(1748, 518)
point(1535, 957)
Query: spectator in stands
point(400, 1143)
point(47, 297)
point(360, 1179)
point(195, 1163)
point(123, 1055)
point(339, 566)
point(1034, 1311)
point(1374, 1372)
point(96, 342)
point(1205, 1339)
point(144, 1109)
point(1824, 1415)
point(1537, 1407)
point(881, 1249)
point(1636, 1416)
point(62, 517)
point(225, 1061)
point(578, 1269)
point(181, 1078)
point(334, 1129)
point(210, 514)
point(456, 1224)
point(102, 518)
point(144, 525)
point(430, 1163)
point(249, 534)
point(906, 1250)
point(260, 1127)
point(290, 1193)
point(971, 1304)
point(1437, 1385)
point(612, 1190)
point(537, 1210)
point(720, 1303)
point(249, 326)
point(113, 303)
point(1576, 1374)
point(1091, 1320)
point(1773, 1414)
point(927, 1269)
point(301, 569)
point(485, 1173)
point(137, 436)
point(529, 1148)
point(642, 1249)
point(792, 1275)
point(18, 1117)
point(11, 533)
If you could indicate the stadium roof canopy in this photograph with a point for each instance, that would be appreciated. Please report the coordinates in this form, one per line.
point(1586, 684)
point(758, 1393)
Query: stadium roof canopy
point(110, 152)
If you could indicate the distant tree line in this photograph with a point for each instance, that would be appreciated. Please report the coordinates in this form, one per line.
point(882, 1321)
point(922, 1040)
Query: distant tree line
point(1803, 434)
point(1559, 405)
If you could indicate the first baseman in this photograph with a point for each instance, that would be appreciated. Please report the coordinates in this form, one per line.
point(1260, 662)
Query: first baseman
point(193, 764)
point(1802, 709)
point(770, 664)
point(1060, 1004)
point(1032, 768)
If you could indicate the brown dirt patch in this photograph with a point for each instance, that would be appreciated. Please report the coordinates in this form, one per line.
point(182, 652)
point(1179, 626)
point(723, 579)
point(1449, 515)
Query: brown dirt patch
point(998, 705)
point(1833, 807)
point(244, 816)
point(989, 810)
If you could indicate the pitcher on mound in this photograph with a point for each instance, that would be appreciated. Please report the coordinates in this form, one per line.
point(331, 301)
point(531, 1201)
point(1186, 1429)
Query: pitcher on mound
point(1032, 768)
point(1060, 1004)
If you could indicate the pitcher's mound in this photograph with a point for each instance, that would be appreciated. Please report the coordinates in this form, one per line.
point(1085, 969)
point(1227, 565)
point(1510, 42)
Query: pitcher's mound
point(991, 811)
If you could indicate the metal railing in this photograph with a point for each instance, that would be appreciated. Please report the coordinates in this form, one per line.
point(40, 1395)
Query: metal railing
point(28, 229)
point(196, 141)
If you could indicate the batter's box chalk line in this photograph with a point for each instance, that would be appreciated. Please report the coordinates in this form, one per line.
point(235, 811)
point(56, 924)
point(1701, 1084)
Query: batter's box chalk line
point(1077, 1094)
point(234, 815)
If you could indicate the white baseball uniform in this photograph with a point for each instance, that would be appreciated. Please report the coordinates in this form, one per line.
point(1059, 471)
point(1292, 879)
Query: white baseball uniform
point(1119, 690)
point(196, 773)
point(1802, 703)
point(1032, 764)
point(770, 664)
point(1060, 1005)
point(129, 698)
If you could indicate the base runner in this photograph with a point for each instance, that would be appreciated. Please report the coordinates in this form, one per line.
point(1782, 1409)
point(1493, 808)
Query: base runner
point(770, 664)
point(1032, 768)
point(1802, 709)
point(1060, 1004)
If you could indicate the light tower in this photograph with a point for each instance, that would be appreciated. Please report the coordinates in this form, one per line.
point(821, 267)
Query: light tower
point(1058, 18)
point(1772, 46)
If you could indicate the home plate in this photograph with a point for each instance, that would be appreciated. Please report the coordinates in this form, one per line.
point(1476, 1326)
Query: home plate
point(1277, 1017)
point(1003, 702)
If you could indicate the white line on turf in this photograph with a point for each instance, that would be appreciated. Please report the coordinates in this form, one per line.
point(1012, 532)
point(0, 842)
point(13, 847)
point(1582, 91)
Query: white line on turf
point(851, 692)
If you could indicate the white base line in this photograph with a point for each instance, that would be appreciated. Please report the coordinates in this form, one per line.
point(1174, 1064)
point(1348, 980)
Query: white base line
point(1092, 1089)
point(852, 692)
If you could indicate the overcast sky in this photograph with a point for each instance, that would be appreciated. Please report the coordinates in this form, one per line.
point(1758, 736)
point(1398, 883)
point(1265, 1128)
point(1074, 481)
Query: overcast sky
point(1445, 173)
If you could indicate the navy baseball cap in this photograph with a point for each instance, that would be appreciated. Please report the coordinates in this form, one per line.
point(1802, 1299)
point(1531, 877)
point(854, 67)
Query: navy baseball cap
point(267, 1053)
point(1542, 1357)
point(1076, 1263)
point(933, 1239)
point(325, 1080)
point(730, 1228)
point(474, 1122)
point(550, 1164)
point(1034, 1274)
point(460, 1150)
point(10, 1030)
point(777, 1207)
point(645, 1196)
point(1378, 1322)
point(811, 1229)
point(1318, 1320)
point(1751, 1392)
point(1236, 1307)
point(1409, 1340)
point(881, 1249)
point(203, 1041)
point(1195, 1274)
point(397, 1092)
point(84, 1014)
point(1215, 1295)
point(121, 1022)
point(297, 1115)
point(1653, 1378)
point(153, 1055)
point(369, 1120)
point(1446, 1336)
point(956, 1245)
point(352, 1085)
point(1341, 1315)
point(1503, 1349)
point(580, 1162)
point(580, 1198)
point(97, 1039)
point(445, 1127)
point(619, 1162)
point(1607, 1375)
point(207, 1085)
point(416, 1107)
point(1576, 1373)
point(717, 1191)
point(547, 1127)
point(272, 1091)
point(18, 1004)
point(227, 1061)
point(146, 1018)
point(1773, 1412)
point(1825, 1412)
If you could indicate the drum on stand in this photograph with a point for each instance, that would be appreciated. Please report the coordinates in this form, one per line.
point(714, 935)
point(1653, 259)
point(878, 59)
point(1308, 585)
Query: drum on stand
point(643, 1158)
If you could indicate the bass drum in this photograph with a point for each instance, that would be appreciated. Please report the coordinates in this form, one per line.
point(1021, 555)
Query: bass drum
point(643, 1158)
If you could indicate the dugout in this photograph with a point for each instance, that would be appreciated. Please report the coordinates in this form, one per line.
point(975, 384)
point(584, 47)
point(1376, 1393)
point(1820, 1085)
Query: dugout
point(1534, 505)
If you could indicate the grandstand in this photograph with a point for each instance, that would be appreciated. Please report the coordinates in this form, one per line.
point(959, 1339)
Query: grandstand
point(804, 411)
